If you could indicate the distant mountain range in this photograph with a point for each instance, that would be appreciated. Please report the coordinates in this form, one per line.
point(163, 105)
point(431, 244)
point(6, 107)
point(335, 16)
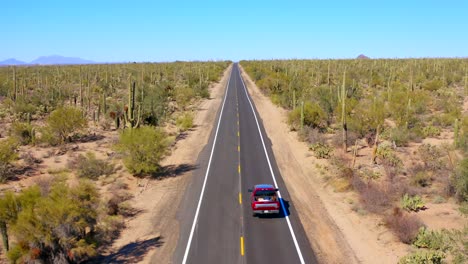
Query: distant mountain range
point(363, 57)
point(47, 60)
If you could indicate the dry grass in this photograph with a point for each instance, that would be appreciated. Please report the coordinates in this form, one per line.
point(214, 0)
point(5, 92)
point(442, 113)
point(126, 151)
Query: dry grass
point(405, 226)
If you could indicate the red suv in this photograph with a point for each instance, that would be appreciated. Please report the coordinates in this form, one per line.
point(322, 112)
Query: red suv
point(264, 199)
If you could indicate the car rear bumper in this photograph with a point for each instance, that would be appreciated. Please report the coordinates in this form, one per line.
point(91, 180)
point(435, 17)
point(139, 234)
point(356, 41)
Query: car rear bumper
point(263, 211)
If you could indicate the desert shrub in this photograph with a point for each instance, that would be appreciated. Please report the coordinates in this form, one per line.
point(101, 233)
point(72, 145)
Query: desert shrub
point(461, 134)
point(459, 181)
point(431, 239)
point(400, 136)
point(8, 153)
point(412, 203)
point(337, 138)
point(143, 148)
point(46, 137)
point(314, 116)
point(403, 225)
point(439, 200)
point(114, 204)
point(386, 153)
point(109, 228)
point(444, 119)
point(50, 228)
point(311, 135)
point(321, 150)
point(431, 131)
point(423, 257)
point(64, 121)
point(374, 197)
point(457, 244)
point(23, 109)
point(183, 95)
point(23, 132)
point(432, 85)
point(185, 121)
point(421, 178)
point(8, 150)
point(431, 156)
point(30, 159)
point(88, 166)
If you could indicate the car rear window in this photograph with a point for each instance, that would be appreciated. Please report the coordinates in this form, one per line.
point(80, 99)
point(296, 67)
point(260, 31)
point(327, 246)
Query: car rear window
point(265, 193)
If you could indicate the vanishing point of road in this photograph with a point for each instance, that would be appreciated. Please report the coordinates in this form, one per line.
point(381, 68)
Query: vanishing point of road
point(216, 222)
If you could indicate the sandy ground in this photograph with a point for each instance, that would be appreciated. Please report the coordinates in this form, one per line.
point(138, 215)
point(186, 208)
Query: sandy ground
point(159, 199)
point(337, 234)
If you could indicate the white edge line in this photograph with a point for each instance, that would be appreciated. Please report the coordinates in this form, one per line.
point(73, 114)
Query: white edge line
point(273, 175)
point(195, 219)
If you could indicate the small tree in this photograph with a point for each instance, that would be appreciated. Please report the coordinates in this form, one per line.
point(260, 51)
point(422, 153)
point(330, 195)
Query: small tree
point(64, 121)
point(312, 116)
point(7, 155)
point(143, 148)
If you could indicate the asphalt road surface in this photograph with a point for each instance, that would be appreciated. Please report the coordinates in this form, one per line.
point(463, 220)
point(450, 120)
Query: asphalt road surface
point(217, 225)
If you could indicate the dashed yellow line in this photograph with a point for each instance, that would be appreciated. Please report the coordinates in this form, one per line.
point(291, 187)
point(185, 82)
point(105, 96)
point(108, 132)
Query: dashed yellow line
point(240, 198)
point(238, 148)
point(242, 245)
point(238, 134)
point(238, 169)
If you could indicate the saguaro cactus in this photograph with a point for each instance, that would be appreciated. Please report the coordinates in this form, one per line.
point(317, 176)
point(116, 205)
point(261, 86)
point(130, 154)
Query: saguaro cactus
point(131, 120)
point(302, 115)
point(343, 113)
point(456, 133)
point(15, 86)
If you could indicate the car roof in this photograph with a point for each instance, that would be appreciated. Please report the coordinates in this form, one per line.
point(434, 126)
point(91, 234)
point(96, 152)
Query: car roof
point(264, 186)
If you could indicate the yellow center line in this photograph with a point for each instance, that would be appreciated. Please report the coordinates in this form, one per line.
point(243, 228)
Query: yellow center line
point(238, 134)
point(239, 169)
point(240, 198)
point(238, 148)
point(242, 245)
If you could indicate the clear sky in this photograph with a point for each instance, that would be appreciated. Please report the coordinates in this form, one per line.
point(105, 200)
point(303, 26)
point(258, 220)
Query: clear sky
point(119, 31)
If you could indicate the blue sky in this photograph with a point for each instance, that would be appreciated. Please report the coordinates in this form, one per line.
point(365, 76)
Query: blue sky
point(119, 31)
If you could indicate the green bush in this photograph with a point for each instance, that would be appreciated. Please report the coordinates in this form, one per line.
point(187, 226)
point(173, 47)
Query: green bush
point(431, 131)
point(460, 181)
point(185, 121)
point(386, 153)
point(432, 85)
point(64, 121)
point(8, 153)
point(50, 227)
point(445, 119)
point(90, 167)
point(24, 109)
point(422, 178)
point(8, 150)
point(23, 132)
point(321, 150)
point(431, 156)
point(431, 239)
point(143, 148)
point(183, 95)
point(414, 203)
point(401, 136)
point(47, 137)
point(314, 116)
point(423, 257)
point(461, 141)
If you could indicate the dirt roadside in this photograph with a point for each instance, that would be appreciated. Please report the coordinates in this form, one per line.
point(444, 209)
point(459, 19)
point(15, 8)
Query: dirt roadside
point(159, 200)
point(337, 234)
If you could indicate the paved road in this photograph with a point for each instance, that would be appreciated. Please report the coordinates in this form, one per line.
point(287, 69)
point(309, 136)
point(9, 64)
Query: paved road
point(216, 221)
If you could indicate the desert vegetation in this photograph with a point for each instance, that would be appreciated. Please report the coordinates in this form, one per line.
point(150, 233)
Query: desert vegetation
point(71, 140)
point(394, 132)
